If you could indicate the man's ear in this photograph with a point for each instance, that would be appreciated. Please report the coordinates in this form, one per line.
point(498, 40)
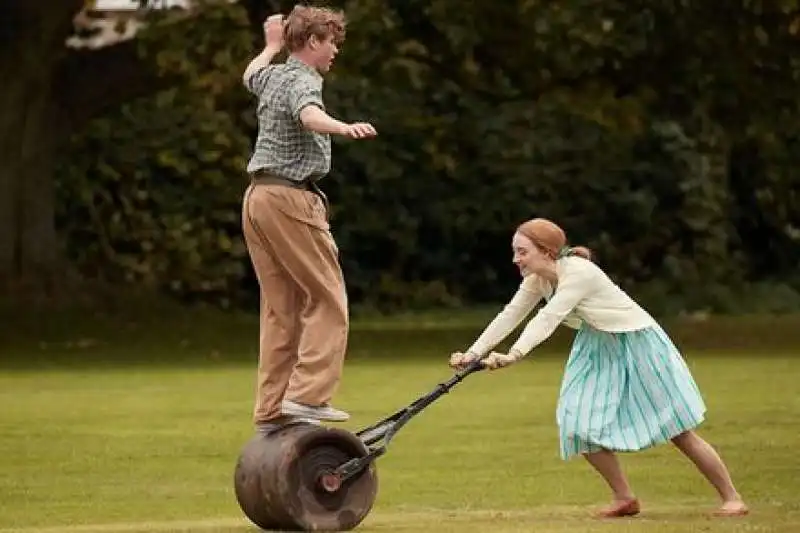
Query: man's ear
point(313, 42)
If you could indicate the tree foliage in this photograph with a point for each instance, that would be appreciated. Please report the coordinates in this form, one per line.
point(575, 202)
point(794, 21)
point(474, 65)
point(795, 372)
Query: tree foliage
point(663, 134)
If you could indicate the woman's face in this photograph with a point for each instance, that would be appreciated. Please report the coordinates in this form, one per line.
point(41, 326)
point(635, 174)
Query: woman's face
point(527, 256)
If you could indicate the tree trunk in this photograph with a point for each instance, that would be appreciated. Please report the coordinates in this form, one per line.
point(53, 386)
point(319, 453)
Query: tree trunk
point(29, 126)
point(47, 91)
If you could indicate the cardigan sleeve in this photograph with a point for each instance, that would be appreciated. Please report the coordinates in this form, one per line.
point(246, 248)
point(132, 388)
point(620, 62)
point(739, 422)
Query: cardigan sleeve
point(573, 286)
point(523, 302)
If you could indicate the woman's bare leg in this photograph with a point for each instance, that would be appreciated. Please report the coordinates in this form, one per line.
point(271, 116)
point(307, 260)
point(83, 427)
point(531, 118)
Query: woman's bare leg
point(607, 465)
point(708, 461)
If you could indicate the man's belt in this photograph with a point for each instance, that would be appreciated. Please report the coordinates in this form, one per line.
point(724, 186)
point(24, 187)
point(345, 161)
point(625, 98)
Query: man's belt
point(264, 177)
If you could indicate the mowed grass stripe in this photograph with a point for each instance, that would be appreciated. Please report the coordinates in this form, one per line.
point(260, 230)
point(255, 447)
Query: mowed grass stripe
point(553, 519)
point(155, 448)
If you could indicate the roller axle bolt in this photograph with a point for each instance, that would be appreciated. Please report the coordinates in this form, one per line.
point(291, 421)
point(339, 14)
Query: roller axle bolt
point(330, 482)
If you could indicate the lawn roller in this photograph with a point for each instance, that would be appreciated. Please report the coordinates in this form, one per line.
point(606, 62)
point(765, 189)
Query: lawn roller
point(308, 477)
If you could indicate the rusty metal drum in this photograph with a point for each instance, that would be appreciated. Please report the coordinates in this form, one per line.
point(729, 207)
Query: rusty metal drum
point(282, 480)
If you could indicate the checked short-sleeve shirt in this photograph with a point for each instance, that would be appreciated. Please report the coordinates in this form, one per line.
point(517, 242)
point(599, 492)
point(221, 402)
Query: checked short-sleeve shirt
point(283, 147)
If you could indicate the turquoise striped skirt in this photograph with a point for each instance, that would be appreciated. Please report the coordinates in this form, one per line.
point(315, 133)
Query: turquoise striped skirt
point(625, 392)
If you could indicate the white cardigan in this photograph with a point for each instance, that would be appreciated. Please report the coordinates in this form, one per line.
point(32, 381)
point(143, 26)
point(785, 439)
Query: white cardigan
point(585, 294)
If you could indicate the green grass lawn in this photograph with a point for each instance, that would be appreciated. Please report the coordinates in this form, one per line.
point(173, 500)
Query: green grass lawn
point(108, 431)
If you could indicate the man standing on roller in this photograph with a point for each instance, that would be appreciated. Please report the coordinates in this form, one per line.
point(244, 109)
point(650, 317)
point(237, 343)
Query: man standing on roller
point(304, 315)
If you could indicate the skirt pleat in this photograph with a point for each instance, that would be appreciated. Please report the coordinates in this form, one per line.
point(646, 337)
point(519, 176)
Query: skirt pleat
point(625, 392)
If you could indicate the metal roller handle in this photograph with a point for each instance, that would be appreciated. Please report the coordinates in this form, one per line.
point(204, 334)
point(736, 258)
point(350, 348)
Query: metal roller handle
point(387, 428)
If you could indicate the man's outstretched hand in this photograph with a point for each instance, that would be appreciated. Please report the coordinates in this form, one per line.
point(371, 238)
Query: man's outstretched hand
point(359, 130)
point(273, 33)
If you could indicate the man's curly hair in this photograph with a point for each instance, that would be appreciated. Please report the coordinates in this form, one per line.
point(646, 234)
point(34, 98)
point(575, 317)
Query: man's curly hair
point(305, 21)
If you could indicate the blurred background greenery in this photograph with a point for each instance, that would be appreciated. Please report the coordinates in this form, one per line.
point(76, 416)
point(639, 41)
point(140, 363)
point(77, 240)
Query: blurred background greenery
point(664, 134)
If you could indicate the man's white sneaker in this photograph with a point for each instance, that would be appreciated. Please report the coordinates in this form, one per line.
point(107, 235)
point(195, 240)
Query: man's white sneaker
point(321, 412)
point(267, 428)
